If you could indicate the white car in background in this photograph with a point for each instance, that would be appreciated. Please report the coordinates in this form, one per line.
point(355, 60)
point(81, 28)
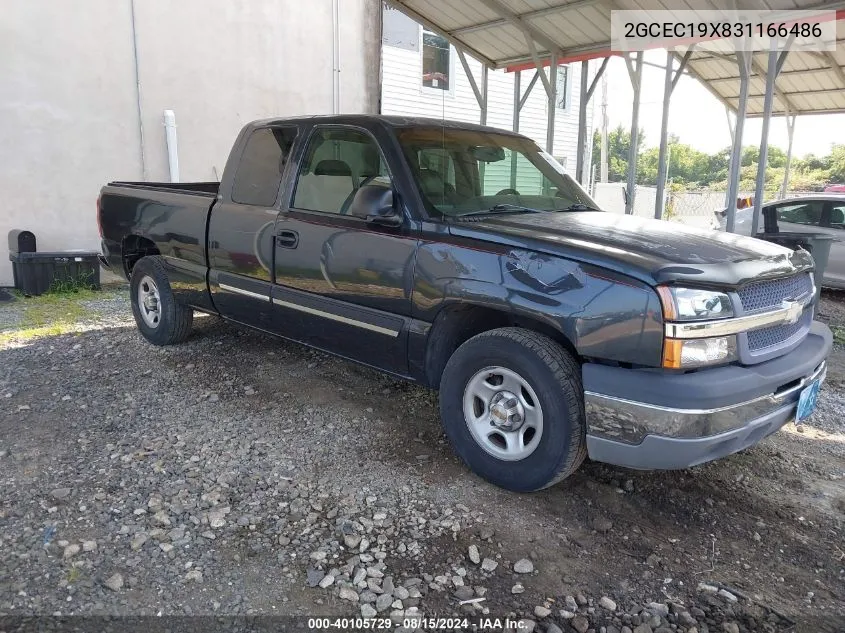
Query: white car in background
point(823, 213)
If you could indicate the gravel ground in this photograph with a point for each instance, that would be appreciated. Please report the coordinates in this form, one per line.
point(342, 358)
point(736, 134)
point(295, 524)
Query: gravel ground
point(832, 307)
point(240, 475)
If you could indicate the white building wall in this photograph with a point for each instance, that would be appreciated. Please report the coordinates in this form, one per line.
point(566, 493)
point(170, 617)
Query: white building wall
point(68, 97)
point(403, 93)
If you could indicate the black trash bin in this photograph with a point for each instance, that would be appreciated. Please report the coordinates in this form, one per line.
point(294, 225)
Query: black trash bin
point(20, 241)
point(36, 273)
point(817, 244)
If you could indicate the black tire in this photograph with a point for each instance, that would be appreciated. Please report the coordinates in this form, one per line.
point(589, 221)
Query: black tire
point(555, 377)
point(174, 320)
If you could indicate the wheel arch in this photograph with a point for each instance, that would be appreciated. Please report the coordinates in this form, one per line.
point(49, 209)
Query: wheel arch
point(456, 323)
point(133, 248)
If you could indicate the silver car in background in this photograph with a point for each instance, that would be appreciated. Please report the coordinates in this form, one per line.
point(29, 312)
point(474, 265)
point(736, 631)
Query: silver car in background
point(822, 213)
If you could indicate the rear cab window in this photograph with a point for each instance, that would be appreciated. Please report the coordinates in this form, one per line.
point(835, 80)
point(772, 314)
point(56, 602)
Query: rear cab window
point(259, 174)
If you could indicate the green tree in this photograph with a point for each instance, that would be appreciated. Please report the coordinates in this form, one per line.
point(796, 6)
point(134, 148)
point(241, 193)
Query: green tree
point(692, 169)
point(836, 171)
point(813, 162)
point(750, 154)
point(687, 166)
point(776, 157)
point(618, 146)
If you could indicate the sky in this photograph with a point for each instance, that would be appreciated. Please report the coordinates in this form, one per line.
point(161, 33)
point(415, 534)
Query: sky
point(699, 119)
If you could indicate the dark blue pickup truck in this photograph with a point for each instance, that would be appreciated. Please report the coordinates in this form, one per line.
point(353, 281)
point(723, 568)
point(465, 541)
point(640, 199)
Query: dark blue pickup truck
point(465, 258)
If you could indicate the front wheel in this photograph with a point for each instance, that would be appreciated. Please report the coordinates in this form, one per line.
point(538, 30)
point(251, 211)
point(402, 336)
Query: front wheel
point(512, 405)
point(160, 319)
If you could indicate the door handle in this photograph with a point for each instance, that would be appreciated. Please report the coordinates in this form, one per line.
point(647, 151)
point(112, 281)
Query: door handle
point(287, 239)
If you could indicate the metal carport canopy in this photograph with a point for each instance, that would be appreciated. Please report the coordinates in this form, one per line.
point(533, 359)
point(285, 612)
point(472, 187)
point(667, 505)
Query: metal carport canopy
point(494, 31)
point(521, 34)
point(502, 33)
point(810, 82)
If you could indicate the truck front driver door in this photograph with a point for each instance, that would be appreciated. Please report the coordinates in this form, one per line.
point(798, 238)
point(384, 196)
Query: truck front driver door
point(343, 283)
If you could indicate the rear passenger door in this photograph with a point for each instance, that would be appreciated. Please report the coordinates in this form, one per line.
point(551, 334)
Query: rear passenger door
point(342, 283)
point(240, 230)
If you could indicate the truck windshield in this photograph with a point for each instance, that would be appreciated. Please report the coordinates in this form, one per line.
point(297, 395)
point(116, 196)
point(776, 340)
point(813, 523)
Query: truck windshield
point(468, 172)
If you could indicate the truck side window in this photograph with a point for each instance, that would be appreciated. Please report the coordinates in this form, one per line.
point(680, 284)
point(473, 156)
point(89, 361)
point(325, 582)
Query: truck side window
point(259, 173)
point(336, 163)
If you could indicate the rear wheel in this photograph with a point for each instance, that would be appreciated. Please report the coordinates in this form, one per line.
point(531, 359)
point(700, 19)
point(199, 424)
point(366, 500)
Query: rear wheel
point(512, 404)
point(160, 319)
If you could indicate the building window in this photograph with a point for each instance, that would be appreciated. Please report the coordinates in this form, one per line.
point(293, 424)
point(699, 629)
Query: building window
point(436, 62)
point(562, 87)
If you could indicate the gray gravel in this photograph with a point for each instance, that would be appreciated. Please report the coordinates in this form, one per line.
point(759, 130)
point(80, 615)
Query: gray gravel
point(831, 308)
point(829, 415)
point(236, 474)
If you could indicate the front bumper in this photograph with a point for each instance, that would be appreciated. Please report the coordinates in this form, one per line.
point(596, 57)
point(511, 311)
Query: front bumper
point(651, 419)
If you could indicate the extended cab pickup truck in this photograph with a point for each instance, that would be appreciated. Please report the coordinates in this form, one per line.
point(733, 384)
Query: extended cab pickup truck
point(465, 258)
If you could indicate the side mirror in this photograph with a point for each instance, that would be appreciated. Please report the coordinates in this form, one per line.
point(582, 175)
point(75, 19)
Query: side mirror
point(376, 203)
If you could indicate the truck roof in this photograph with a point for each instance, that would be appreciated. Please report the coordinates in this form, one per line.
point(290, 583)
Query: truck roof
point(387, 120)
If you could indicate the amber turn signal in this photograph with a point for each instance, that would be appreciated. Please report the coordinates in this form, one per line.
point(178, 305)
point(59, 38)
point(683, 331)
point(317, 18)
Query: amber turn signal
point(672, 353)
point(668, 303)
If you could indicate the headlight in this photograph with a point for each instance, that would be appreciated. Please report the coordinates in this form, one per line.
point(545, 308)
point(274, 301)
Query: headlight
point(689, 304)
point(698, 352)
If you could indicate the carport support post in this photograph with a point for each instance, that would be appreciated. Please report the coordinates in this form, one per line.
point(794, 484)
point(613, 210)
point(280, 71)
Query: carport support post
point(480, 95)
point(582, 124)
point(743, 60)
point(635, 73)
point(585, 145)
point(551, 91)
point(484, 82)
point(670, 81)
point(551, 108)
point(519, 100)
point(790, 131)
point(731, 124)
point(517, 90)
point(771, 76)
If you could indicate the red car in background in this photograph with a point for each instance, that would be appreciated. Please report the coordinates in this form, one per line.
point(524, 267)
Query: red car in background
point(835, 189)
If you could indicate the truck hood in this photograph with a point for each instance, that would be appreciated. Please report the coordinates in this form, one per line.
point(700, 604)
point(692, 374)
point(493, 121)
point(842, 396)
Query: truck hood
point(654, 251)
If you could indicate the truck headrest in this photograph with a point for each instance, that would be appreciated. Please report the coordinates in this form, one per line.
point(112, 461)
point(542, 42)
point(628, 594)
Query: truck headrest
point(332, 167)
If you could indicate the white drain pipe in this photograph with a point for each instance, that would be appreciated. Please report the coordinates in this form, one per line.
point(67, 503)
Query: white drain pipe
point(335, 58)
point(172, 147)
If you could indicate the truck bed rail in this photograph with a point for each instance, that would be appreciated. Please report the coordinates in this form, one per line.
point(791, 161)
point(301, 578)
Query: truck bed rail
point(196, 188)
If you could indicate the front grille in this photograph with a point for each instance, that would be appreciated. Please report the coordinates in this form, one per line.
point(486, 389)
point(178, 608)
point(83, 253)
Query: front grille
point(762, 295)
point(774, 335)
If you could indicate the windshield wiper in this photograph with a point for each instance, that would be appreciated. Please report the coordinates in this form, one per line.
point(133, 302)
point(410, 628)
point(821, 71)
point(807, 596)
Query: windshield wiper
point(578, 206)
point(501, 208)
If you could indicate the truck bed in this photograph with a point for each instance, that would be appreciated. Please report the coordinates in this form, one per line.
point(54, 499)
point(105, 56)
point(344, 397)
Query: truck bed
point(169, 219)
point(197, 188)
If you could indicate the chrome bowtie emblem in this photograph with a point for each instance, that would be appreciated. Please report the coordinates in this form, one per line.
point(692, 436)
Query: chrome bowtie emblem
point(794, 310)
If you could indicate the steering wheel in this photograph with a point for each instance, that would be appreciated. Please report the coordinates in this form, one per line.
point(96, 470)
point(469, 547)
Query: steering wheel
point(509, 190)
